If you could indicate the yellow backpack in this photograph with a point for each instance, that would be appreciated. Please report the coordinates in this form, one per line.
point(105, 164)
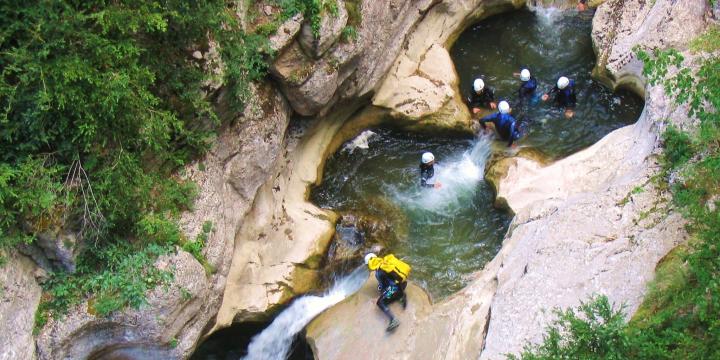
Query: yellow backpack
point(391, 265)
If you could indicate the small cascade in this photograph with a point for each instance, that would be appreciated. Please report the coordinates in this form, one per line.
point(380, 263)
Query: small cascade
point(275, 342)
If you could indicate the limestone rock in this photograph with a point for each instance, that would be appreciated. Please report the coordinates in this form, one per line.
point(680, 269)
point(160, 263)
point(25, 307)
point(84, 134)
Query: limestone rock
point(620, 25)
point(346, 330)
point(348, 69)
point(228, 177)
point(331, 26)
point(81, 335)
point(500, 164)
point(286, 33)
point(577, 228)
point(19, 298)
point(418, 93)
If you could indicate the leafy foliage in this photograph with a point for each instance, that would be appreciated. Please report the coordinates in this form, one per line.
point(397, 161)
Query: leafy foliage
point(313, 10)
point(679, 319)
point(101, 104)
point(595, 331)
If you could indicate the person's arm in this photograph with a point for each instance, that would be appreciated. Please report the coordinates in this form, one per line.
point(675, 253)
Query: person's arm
point(551, 92)
point(488, 118)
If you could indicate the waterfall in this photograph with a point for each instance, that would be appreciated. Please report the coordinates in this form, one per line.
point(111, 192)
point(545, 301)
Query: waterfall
point(275, 341)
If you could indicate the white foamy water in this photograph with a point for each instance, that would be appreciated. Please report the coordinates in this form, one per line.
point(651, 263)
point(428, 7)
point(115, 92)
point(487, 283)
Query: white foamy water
point(459, 176)
point(275, 341)
point(359, 142)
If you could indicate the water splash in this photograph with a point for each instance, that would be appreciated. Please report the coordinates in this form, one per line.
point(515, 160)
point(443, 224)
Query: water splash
point(275, 341)
point(459, 177)
point(548, 15)
point(359, 142)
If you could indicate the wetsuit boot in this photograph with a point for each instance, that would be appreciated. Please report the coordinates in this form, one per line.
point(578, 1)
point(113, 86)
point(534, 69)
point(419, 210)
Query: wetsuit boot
point(394, 323)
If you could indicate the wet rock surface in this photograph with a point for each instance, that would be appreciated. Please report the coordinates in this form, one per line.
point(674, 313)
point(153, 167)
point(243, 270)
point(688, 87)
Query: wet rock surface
point(579, 229)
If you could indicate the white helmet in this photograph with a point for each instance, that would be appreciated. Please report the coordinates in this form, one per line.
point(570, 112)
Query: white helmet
point(525, 75)
point(504, 107)
point(478, 85)
point(368, 257)
point(563, 82)
point(427, 158)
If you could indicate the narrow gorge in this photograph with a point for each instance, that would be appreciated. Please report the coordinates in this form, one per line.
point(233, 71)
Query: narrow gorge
point(320, 167)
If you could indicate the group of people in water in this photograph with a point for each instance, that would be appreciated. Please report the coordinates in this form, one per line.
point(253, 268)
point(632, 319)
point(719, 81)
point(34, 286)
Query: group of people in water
point(390, 272)
point(506, 125)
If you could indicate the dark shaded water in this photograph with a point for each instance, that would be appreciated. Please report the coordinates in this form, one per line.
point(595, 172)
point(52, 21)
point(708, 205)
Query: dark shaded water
point(455, 231)
point(232, 344)
point(551, 43)
point(448, 232)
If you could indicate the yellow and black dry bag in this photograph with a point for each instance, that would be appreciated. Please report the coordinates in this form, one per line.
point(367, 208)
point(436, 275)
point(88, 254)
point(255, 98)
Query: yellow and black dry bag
point(391, 265)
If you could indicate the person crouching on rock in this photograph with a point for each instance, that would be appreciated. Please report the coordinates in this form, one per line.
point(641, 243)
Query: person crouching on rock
point(391, 274)
point(505, 124)
point(427, 171)
point(481, 96)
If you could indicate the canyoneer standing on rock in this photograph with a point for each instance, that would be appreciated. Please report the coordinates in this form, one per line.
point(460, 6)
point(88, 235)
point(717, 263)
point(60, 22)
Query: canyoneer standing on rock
point(391, 274)
point(427, 171)
point(481, 96)
point(505, 124)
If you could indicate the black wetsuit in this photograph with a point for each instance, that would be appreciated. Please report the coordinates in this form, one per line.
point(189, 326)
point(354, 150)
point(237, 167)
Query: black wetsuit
point(505, 125)
point(565, 97)
point(483, 99)
point(527, 88)
point(391, 289)
point(427, 172)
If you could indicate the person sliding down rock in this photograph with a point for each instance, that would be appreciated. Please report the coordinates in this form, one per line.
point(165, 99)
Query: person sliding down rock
point(505, 124)
point(481, 96)
point(427, 171)
point(564, 95)
point(391, 274)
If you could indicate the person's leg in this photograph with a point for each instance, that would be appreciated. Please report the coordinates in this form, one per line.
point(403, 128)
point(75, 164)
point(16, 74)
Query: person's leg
point(383, 303)
point(403, 296)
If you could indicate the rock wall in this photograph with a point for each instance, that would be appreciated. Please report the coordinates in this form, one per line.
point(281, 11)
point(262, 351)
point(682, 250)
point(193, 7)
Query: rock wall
point(581, 224)
point(242, 159)
point(279, 247)
point(19, 297)
point(606, 235)
point(267, 240)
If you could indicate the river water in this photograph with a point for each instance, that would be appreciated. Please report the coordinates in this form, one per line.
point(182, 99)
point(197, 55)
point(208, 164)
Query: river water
point(551, 43)
point(448, 233)
point(454, 231)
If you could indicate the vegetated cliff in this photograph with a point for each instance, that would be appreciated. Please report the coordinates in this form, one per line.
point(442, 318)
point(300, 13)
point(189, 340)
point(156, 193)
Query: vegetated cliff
point(594, 222)
point(265, 239)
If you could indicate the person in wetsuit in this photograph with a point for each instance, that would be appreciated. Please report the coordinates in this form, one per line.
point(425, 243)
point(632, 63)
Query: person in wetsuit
point(527, 86)
point(564, 92)
point(481, 97)
point(391, 289)
point(505, 124)
point(427, 171)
